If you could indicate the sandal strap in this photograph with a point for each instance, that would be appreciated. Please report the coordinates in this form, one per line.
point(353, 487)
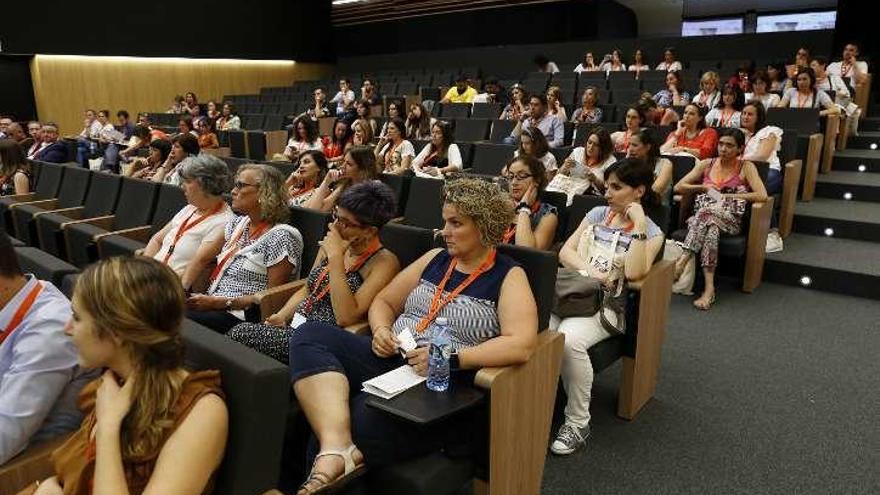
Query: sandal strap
point(346, 458)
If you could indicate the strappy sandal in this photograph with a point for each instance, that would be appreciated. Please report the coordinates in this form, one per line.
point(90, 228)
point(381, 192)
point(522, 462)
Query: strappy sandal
point(324, 484)
point(680, 265)
point(706, 306)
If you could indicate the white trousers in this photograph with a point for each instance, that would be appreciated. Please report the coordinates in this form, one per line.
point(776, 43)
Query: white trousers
point(581, 333)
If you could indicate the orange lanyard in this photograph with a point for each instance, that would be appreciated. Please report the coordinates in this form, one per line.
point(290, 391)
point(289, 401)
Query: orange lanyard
point(438, 303)
point(511, 231)
point(845, 68)
point(726, 121)
point(610, 218)
point(259, 229)
point(22, 310)
point(185, 226)
point(626, 136)
point(316, 296)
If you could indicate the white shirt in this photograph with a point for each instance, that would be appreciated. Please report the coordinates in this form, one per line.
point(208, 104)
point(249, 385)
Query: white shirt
point(453, 156)
point(301, 146)
point(579, 171)
point(714, 118)
point(341, 98)
point(39, 376)
point(404, 149)
point(769, 100)
point(551, 68)
point(582, 68)
point(836, 68)
point(674, 66)
point(208, 230)
point(639, 68)
point(707, 101)
point(549, 160)
point(754, 143)
point(93, 131)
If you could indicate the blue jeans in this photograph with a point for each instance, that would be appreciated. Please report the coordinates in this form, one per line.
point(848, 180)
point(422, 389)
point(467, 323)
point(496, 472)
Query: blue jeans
point(83, 150)
point(111, 158)
point(774, 181)
point(382, 438)
point(510, 140)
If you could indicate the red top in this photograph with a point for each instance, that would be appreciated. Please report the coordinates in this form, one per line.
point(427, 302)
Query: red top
point(706, 141)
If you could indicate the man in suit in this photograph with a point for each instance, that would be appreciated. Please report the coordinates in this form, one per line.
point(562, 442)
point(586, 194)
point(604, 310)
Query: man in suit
point(15, 132)
point(54, 151)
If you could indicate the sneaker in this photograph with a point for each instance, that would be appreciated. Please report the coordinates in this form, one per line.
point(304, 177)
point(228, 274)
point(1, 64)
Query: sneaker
point(569, 439)
point(774, 242)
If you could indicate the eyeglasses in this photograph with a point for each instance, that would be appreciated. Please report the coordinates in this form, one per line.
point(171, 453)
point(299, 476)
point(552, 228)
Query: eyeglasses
point(241, 185)
point(345, 223)
point(518, 177)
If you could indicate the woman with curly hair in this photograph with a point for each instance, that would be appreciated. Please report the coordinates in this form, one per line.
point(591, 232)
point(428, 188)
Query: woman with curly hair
point(483, 295)
point(258, 250)
point(305, 137)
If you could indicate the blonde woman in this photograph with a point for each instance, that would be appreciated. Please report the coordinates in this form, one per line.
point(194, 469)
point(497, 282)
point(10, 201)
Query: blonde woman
point(554, 103)
point(709, 95)
point(151, 425)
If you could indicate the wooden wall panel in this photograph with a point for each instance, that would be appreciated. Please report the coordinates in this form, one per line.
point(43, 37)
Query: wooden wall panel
point(66, 85)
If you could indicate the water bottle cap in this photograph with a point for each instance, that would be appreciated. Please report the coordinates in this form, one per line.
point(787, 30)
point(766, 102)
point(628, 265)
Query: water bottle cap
point(442, 321)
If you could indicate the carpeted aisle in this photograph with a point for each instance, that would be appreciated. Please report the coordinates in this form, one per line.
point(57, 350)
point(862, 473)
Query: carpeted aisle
point(775, 392)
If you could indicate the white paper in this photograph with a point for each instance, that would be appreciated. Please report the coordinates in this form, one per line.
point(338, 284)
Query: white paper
point(298, 319)
point(393, 383)
point(407, 341)
point(715, 195)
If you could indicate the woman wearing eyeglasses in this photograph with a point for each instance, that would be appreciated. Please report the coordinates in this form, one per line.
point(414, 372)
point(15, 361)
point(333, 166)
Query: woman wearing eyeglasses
point(535, 223)
point(351, 268)
point(258, 251)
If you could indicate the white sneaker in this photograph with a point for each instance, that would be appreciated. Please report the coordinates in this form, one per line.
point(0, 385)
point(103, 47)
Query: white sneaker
point(774, 242)
point(569, 439)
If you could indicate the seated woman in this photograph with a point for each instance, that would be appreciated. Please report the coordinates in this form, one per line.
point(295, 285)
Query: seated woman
point(692, 136)
point(184, 147)
point(207, 134)
point(212, 112)
point(533, 143)
point(15, 172)
point(259, 251)
point(615, 64)
point(418, 123)
point(589, 112)
point(777, 75)
point(760, 85)
point(335, 145)
point(176, 105)
point(151, 425)
point(554, 105)
point(640, 63)
point(763, 143)
point(305, 137)
point(709, 95)
point(645, 146)
point(394, 111)
point(190, 103)
point(518, 105)
point(805, 95)
point(634, 120)
point(146, 167)
point(351, 268)
point(359, 165)
point(535, 223)
point(302, 184)
point(140, 139)
point(728, 111)
point(493, 321)
point(669, 63)
point(188, 243)
point(674, 95)
point(229, 119)
point(364, 112)
point(441, 156)
point(394, 153)
point(362, 133)
point(738, 183)
point(186, 126)
point(588, 65)
point(623, 232)
point(589, 162)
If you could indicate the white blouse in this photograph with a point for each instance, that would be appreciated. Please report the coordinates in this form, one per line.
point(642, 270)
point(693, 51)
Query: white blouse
point(208, 230)
point(549, 160)
point(453, 156)
point(754, 143)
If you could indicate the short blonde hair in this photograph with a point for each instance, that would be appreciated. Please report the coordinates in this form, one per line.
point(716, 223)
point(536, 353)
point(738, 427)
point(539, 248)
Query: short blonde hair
point(485, 204)
point(273, 194)
point(709, 76)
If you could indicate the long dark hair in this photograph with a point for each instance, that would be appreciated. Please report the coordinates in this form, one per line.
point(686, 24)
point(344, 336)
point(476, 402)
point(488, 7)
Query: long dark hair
point(650, 137)
point(345, 137)
point(419, 126)
point(540, 146)
point(311, 130)
point(446, 131)
point(761, 114)
point(634, 173)
point(11, 158)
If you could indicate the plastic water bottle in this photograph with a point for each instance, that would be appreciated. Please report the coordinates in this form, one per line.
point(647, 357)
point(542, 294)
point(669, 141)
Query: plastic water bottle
point(438, 356)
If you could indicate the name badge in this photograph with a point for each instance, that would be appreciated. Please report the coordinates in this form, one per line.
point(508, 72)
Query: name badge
point(298, 319)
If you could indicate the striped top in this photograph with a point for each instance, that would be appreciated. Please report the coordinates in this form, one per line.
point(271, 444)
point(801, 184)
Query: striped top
point(472, 315)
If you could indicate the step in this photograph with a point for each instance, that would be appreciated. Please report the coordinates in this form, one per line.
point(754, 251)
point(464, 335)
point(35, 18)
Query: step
point(841, 266)
point(865, 140)
point(870, 124)
point(858, 220)
point(857, 160)
point(854, 186)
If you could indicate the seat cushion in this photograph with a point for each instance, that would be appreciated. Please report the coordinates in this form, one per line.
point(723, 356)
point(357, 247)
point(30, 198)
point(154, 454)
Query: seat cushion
point(49, 233)
point(16, 242)
point(43, 265)
point(119, 245)
point(24, 229)
point(80, 248)
point(434, 474)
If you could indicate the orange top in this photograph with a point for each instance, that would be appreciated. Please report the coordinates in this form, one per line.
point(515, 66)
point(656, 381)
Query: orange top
point(208, 141)
point(74, 461)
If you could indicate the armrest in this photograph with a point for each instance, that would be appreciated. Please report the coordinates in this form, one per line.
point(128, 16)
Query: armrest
point(105, 222)
point(638, 377)
point(20, 197)
point(843, 133)
point(31, 465)
point(42, 203)
point(832, 126)
point(811, 166)
point(136, 233)
point(756, 244)
point(74, 212)
point(790, 181)
point(397, 220)
point(272, 300)
point(518, 435)
point(863, 95)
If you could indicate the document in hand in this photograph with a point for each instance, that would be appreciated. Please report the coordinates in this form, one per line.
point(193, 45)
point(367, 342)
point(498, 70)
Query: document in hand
point(393, 383)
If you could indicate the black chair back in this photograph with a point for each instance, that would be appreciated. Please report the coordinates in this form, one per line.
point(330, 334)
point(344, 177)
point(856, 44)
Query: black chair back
point(74, 187)
point(257, 389)
point(540, 268)
point(804, 120)
point(273, 122)
point(256, 145)
point(136, 201)
point(102, 196)
point(170, 201)
point(51, 175)
point(470, 130)
point(455, 110)
point(788, 146)
point(237, 144)
point(399, 184)
point(490, 158)
point(424, 206)
point(43, 265)
point(407, 242)
point(501, 129)
point(312, 225)
point(486, 110)
point(681, 166)
point(580, 206)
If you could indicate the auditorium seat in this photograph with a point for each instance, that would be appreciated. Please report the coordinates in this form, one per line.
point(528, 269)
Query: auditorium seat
point(43, 265)
point(454, 111)
point(810, 141)
point(47, 187)
point(424, 204)
point(501, 129)
point(472, 130)
point(100, 201)
point(74, 185)
point(135, 208)
point(490, 158)
point(407, 242)
point(399, 184)
point(125, 242)
point(238, 144)
point(486, 111)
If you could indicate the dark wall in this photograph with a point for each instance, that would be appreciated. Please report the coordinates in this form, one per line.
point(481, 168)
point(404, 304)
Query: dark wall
point(538, 23)
point(17, 95)
point(267, 29)
point(856, 21)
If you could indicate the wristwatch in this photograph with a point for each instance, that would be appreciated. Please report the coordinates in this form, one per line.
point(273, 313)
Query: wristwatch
point(228, 303)
point(639, 237)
